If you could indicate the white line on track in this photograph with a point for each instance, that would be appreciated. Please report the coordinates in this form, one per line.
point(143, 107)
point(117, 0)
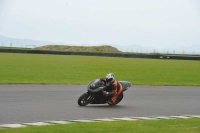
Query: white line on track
point(96, 120)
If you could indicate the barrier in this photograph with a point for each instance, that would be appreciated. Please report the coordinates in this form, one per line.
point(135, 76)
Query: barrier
point(126, 55)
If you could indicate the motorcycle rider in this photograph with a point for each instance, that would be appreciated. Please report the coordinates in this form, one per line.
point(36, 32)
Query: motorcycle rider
point(113, 88)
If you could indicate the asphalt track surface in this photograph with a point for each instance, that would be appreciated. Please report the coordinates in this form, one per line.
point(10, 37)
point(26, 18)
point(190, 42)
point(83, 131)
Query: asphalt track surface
point(39, 103)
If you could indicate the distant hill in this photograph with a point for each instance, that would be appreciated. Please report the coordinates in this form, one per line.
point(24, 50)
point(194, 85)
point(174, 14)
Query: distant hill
point(46, 45)
point(104, 48)
point(14, 42)
point(28, 43)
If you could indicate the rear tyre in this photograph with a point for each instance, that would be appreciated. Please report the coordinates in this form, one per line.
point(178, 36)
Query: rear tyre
point(83, 99)
point(120, 97)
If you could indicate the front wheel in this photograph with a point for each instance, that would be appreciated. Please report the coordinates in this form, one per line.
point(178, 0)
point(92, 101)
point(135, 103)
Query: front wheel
point(84, 99)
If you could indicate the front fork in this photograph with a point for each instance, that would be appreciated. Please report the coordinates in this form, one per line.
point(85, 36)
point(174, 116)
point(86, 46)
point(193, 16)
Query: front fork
point(90, 98)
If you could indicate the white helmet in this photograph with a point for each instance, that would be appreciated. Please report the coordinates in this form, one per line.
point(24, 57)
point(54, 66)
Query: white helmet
point(109, 79)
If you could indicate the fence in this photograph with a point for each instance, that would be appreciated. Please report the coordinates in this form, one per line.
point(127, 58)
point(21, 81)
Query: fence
point(127, 55)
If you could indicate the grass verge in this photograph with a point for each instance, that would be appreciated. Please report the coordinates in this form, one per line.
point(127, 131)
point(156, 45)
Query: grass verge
point(140, 126)
point(68, 69)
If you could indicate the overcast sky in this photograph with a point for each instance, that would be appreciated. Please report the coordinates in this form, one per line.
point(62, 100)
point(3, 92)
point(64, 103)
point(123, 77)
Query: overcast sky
point(149, 23)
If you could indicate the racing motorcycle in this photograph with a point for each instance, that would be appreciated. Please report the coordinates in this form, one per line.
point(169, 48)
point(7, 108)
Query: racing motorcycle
point(94, 94)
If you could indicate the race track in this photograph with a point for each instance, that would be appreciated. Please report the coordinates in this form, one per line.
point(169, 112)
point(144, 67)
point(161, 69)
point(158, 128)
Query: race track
point(33, 103)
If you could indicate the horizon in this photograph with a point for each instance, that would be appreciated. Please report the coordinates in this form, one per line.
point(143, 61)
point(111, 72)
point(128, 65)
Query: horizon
point(29, 43)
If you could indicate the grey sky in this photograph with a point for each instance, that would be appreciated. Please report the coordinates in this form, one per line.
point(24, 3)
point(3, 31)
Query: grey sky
point(149, 23)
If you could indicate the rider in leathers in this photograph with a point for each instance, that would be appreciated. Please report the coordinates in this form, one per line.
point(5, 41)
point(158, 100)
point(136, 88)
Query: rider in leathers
point(113, 88)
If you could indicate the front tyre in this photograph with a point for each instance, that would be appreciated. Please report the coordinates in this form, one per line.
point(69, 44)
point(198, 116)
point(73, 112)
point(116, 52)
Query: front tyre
point(84, 99)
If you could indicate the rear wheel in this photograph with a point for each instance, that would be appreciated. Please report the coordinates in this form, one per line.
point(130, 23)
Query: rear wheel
point(84, 99)
point(120, 97)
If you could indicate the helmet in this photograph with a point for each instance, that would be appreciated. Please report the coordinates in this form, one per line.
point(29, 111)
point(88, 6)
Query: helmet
point(109, 79)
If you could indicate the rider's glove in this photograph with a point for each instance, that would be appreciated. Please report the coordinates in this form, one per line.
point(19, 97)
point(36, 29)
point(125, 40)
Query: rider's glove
point(105, 93)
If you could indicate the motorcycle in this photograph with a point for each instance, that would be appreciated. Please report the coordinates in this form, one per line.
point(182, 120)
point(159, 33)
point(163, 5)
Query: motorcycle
point(94, 93)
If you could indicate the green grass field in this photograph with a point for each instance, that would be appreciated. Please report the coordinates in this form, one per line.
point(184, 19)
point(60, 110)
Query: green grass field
point(68, 69)
point(153, 126)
